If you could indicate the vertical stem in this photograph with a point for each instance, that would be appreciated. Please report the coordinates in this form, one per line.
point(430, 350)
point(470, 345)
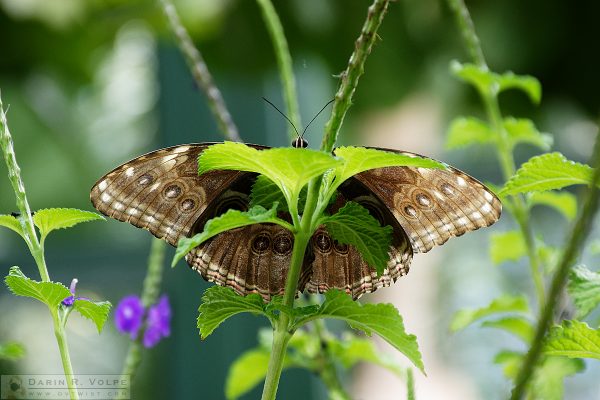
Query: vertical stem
point(150, 291)
point(61, 339)
point(327, 370)
point(577, 237)
point(503, 150)
point(410, 384)
point(355, 69)
point(31, 238)
point(284, 61)
point(201, 74)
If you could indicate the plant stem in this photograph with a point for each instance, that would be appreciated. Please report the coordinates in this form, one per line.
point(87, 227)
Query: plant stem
point(504, 149)
point(355, 69)
point(284, 62)
point(577, 237)
point(327, 370)
point(35, 247)
point(200, 72)
point(150, 291)
point(410, 384)
point(61, 339)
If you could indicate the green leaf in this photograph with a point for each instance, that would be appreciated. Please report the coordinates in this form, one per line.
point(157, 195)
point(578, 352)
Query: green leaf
point(351, 350)
point(49, 293)
point(507, 246)
point(360, 159)
point(524, 131)
point(230, 220)
point(503, 304)
point(465, 131)
point(526, 83)
point(265, 193)
point(491, 83)
point(563, 202)
point(547, 380)
point(574, 339)
point(584, 288)
point(247, 371)
point(97, 312)
point(12, 223)
point(289, 168)
point(353, 225)
point(220, 303)
point(518, 326)
point(50, 219)
point(11, 351)
point(383, 319)
point(547, 172)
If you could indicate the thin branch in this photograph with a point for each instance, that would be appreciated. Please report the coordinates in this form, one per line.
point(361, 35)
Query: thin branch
point(355, 69)
point(284, 61)
point(201, 74)
point(467, 29)
point(577, 237)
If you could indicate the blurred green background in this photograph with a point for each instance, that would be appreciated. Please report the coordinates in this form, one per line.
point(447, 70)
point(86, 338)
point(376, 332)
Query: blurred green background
point(92, 84)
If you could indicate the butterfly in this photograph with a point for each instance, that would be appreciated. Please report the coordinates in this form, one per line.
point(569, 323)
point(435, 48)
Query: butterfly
point(162, 192)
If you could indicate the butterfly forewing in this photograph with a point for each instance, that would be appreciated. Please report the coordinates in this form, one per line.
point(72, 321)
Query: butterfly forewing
point(161, 191)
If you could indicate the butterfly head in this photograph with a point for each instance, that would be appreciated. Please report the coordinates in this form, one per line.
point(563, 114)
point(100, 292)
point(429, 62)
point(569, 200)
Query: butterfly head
point(300, 143)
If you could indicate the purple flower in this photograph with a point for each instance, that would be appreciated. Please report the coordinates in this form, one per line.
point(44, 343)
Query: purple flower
point(128, 315)
point(69, 301)
point(158, 322)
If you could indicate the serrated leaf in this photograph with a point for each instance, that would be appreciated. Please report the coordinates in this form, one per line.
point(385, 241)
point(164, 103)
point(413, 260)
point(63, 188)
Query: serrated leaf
point(547, 172)
point(11, 351)
point(383, 319)
point(97, 312)
point(503, 304)
point(524, 131)
point(289, 168)
point(12, 223)
point(507, 246)
point(220, 303)
point(359, 159)
point(518, 326)
point(353, 225)
point(491, 83)
point(230, 220)
point(49, 293)
point(584, 288)
point(563, 202)
point(574, 339)
point(351, 350)
point(50, 219)
point(465, 131)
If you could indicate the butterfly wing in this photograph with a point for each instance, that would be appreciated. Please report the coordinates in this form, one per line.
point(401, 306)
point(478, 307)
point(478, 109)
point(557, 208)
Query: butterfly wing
point(161, 191)
point(432, 205)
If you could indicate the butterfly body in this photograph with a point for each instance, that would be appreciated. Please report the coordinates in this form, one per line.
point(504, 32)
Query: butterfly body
point(163, 193)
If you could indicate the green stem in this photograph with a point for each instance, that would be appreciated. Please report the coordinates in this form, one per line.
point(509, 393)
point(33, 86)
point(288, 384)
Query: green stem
point(150, 292)
point(201, 74)
point(284, 62)
point(503, 149)
point(326, 367)
point(410, 384)
point(61, 339)
point(577, 238)
point(33, 243)
point(355, 69)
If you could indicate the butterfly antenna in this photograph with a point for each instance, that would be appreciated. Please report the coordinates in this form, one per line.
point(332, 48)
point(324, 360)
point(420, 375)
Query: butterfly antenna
point(284, 116)
point(315, 117)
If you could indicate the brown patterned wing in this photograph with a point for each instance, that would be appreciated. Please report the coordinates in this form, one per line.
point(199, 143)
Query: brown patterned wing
point(331, 265)
point(161, 191)
point(432, 205)
point(251, 259)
